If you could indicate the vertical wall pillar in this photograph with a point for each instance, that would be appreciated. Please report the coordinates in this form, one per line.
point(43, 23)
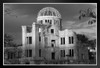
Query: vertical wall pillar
point(33, 39)
point(23, 35)
point(23, 41)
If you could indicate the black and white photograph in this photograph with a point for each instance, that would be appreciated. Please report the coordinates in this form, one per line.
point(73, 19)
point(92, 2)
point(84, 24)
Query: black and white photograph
point(50, 34)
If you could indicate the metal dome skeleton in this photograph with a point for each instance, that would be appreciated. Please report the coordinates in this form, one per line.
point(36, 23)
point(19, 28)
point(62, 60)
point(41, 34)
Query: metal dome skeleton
point(49, 11)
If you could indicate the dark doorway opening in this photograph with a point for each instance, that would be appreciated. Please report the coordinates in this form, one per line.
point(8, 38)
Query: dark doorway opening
point(27, 63)
point(53, 55)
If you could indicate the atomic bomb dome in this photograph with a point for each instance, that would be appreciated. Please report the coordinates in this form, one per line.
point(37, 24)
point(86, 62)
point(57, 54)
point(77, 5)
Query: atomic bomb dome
point(49, 11)
point(46, 40)
point(48, 15)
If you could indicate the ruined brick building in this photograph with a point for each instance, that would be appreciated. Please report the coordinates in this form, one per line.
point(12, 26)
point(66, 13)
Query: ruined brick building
point(46, 42)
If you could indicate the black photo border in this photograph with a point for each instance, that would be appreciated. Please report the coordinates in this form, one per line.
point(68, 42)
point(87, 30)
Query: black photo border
point(52, 1)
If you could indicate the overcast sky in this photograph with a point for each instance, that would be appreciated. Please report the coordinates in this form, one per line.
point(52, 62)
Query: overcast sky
point(16, 15)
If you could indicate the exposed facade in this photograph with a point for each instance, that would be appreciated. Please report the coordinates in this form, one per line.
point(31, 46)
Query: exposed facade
point(46, 42)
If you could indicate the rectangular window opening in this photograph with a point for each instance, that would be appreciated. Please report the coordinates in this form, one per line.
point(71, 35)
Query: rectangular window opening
point(39, 52)
point(52, 45)
point(30, 53)
point(30, 40)
point(50, 21)
point(39, 38)
point(72, 40)
point(53, 55)
point(63, 40)
point(62, 53)
point(52, 30)
point(71, 52)
point(45, 20)
point(53, 41)
point(69, 40)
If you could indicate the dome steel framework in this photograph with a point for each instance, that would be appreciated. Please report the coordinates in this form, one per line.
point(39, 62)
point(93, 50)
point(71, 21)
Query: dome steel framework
point(49, 11)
